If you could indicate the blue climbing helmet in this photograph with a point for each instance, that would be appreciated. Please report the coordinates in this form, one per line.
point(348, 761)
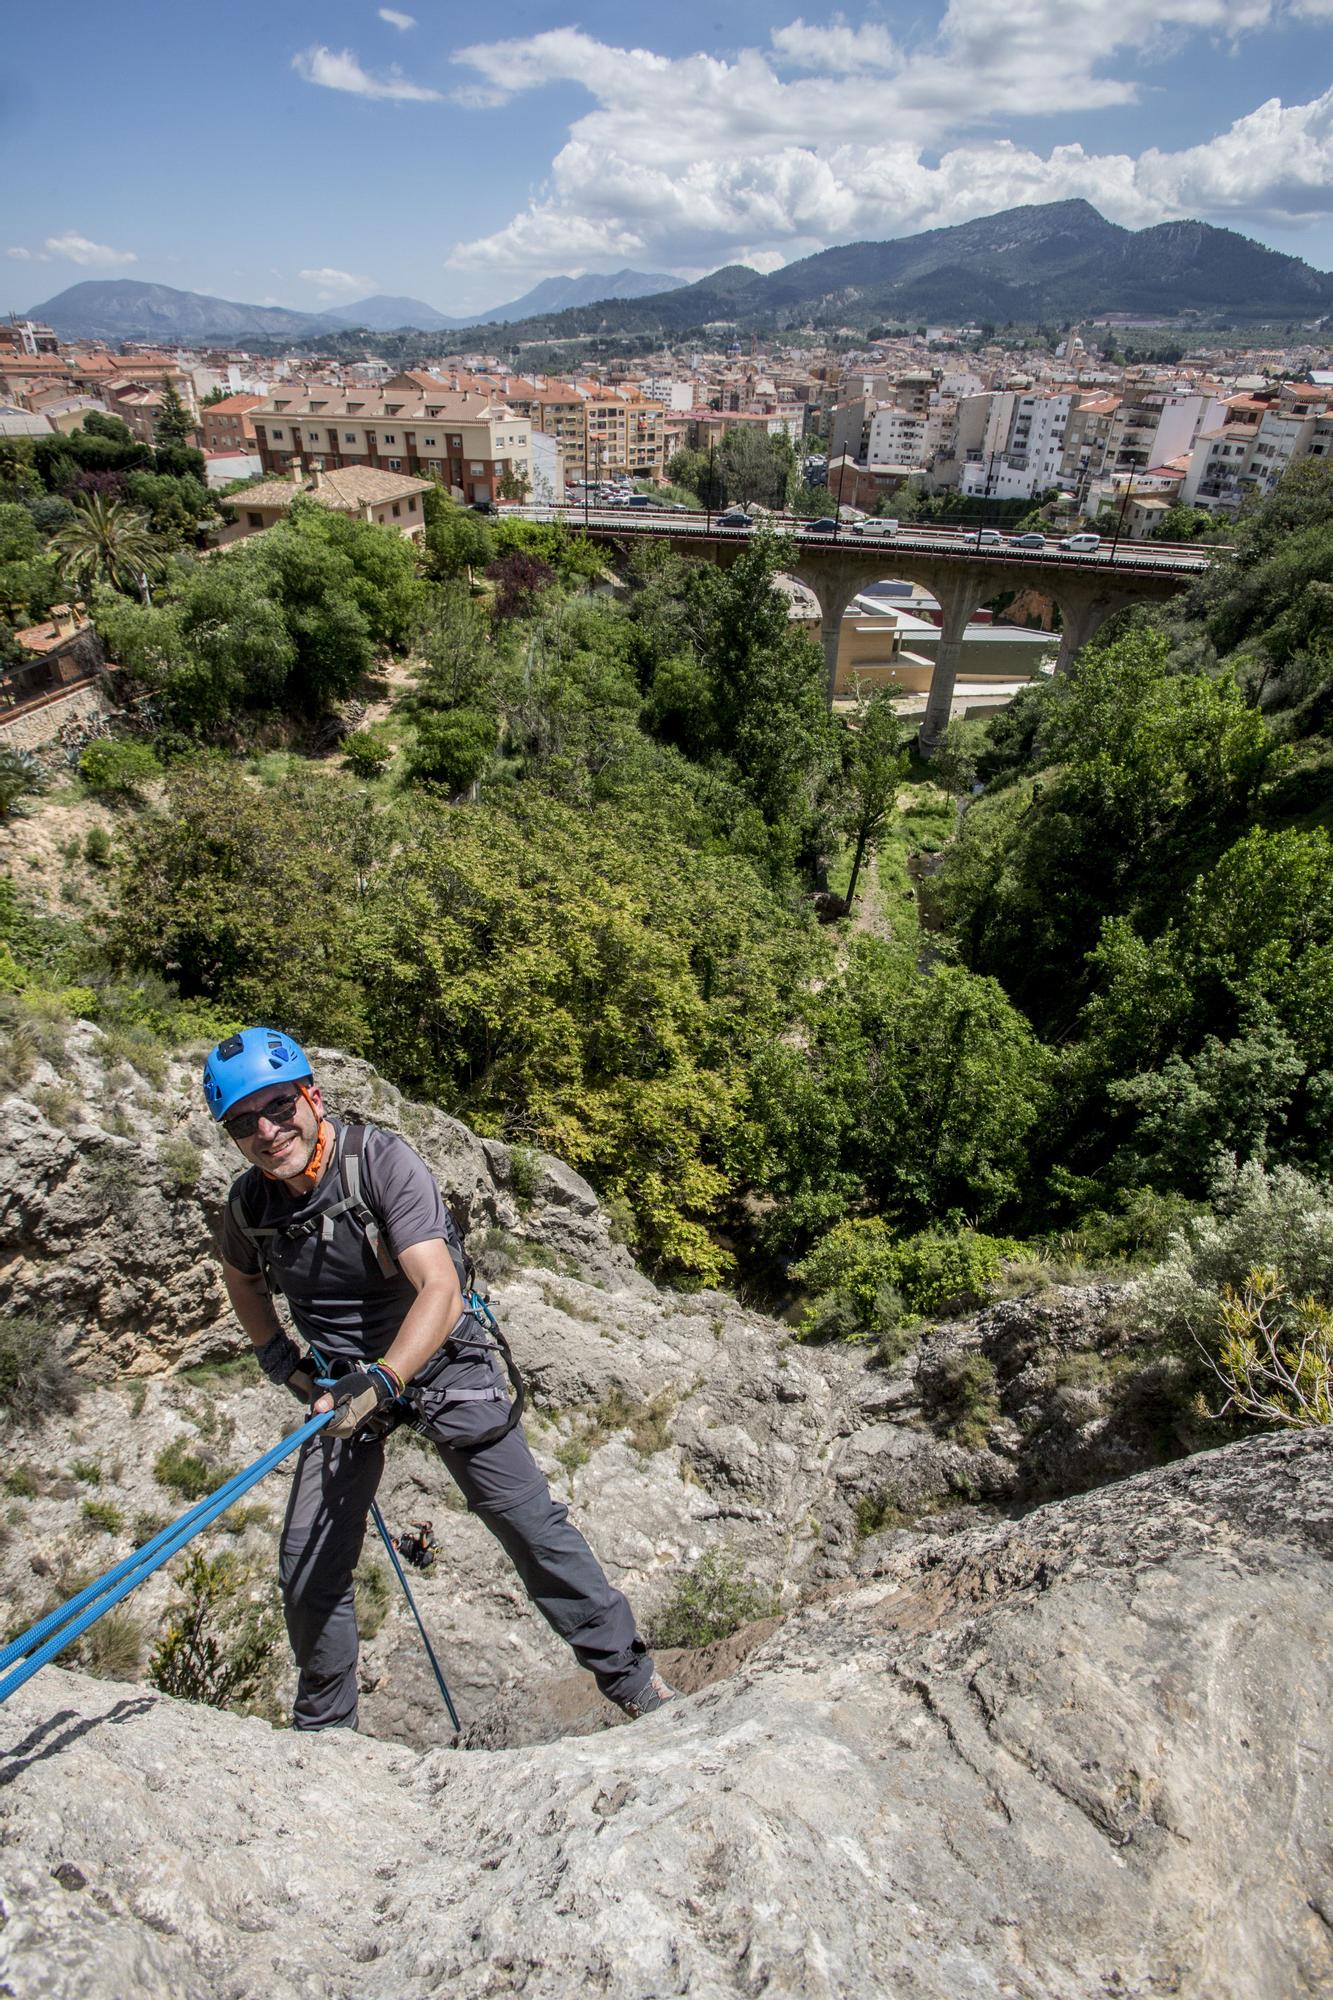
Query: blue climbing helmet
point(248, 1061)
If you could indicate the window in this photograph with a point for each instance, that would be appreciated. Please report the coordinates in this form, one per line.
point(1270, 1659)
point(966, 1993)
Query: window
point(412, 504)
point(349, 437)
point(396, 508)
point(476, 470)
point(275, 434)
point(430, 440)
point(254, 520)
point(312, 437)
point(389, 438)
point(455, 444)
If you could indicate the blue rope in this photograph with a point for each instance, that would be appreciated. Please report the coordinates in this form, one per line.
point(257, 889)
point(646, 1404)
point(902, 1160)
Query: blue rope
point(90, 1604)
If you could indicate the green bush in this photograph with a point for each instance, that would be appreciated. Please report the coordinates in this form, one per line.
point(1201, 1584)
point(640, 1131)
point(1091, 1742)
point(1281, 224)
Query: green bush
point(112, 1649)
point(36, 1381)
point(20, 776)
point(117, 770)
point(713, 1600)
point(97, 847)
point(965, 1398)
point(101, 1514)
point(865, 1280)
point(367, 751)
point(525, 1174)
point(182, 1164)
point(183, 1471)
point(21, 1481)
point(452, 749)
point(220, 1643)
point(88, 1470)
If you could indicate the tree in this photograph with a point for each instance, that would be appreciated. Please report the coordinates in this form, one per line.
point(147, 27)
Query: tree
point(756, 467)
point(107, 542)
point(514, 485)
point(874, 765)
point(457, 542)
point(174, 425)
point(954, 766)
point(452, 749)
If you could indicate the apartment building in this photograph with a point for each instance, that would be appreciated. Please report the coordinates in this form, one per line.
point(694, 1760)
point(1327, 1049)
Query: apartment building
point(898, 436)
point(460, 440)
point(1021, 453)
point(228, 425)
point(1086, 435)
point(1155, 423)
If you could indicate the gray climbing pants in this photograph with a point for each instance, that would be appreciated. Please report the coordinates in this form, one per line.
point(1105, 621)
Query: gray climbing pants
point(332, 1490)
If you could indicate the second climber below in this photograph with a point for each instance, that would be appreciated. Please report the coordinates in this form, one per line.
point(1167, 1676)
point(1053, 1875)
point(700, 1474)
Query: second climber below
point(388, 1321)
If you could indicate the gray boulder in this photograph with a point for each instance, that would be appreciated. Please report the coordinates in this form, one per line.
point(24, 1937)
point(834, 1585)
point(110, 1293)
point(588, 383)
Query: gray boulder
point(1084, 1753)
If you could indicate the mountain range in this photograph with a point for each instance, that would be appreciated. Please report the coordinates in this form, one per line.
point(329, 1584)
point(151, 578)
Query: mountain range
point(128, 309)
point(1054, 261)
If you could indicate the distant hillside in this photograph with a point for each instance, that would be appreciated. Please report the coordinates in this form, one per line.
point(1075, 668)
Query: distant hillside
point(383, 313)
point(562, 294)
point(127, 309)
point(1059, 260)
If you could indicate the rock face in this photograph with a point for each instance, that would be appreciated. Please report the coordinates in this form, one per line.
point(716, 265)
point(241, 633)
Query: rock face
point(1084, 1753)
point(675, 1425)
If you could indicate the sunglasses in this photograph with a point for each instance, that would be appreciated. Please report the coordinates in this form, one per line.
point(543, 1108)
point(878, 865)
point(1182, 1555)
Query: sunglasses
point(277, 1111)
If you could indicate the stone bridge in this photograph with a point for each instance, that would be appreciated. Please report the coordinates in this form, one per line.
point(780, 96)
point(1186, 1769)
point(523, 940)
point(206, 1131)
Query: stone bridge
point(961, 574)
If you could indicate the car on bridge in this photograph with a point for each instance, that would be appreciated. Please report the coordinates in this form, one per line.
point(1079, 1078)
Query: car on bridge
point(735, 517)
point(1032, 541)
point(825, 525)
point(1082, 544)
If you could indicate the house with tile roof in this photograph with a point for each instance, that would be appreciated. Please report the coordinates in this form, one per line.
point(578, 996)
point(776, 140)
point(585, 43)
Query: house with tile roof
point(389, 498)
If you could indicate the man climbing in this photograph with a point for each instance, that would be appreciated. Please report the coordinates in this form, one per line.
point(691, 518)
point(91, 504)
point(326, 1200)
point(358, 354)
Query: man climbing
point(348, 1223)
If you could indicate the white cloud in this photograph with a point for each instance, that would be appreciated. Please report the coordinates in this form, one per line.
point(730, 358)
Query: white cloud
point(341, 71)
point(837, 48)
point(749, 162)
point(397, 20)
point(330, 282)
point(27, 256)
point(80, 250)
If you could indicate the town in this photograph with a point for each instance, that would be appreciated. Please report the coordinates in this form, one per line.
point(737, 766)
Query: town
point(946, 427)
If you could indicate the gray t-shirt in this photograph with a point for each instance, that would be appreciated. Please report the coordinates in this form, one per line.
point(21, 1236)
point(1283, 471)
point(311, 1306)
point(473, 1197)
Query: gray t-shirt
point(340, 1299)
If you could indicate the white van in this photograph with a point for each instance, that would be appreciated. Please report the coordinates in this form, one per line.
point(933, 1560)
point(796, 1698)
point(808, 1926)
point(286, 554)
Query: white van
point(880, 527)
point(1082, 544)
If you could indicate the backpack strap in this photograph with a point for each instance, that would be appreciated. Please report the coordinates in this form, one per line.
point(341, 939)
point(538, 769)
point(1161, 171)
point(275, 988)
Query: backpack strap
point(350, 1157)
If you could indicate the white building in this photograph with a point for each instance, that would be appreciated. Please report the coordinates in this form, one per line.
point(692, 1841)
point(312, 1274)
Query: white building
point(898, 437)
point(1021, 450)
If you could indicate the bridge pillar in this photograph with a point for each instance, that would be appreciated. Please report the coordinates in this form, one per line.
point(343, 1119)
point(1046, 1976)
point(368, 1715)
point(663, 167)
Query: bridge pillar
point(834, 584)
point(1082, 612)
point(958, 597)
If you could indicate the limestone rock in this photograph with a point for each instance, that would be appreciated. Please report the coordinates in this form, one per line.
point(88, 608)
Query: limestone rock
point(1083, 1753)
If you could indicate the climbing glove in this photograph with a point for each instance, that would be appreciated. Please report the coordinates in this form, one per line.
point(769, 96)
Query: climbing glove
point(283, 1362)
point(357, 1398)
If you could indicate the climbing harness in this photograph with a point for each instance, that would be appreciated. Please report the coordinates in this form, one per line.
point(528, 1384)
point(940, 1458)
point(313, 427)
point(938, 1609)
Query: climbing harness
point(60, 1628)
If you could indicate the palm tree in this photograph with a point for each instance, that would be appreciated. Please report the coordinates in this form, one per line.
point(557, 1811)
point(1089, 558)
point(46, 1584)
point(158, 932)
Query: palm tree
point(108, 542)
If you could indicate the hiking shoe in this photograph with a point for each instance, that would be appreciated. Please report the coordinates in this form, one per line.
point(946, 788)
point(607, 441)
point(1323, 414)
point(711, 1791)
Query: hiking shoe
point(653, 1694)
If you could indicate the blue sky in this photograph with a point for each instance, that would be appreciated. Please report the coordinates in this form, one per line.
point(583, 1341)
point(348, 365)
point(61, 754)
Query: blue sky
point(308, 154)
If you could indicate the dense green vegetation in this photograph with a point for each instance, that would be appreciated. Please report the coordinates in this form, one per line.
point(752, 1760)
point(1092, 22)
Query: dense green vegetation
point(566, 884)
